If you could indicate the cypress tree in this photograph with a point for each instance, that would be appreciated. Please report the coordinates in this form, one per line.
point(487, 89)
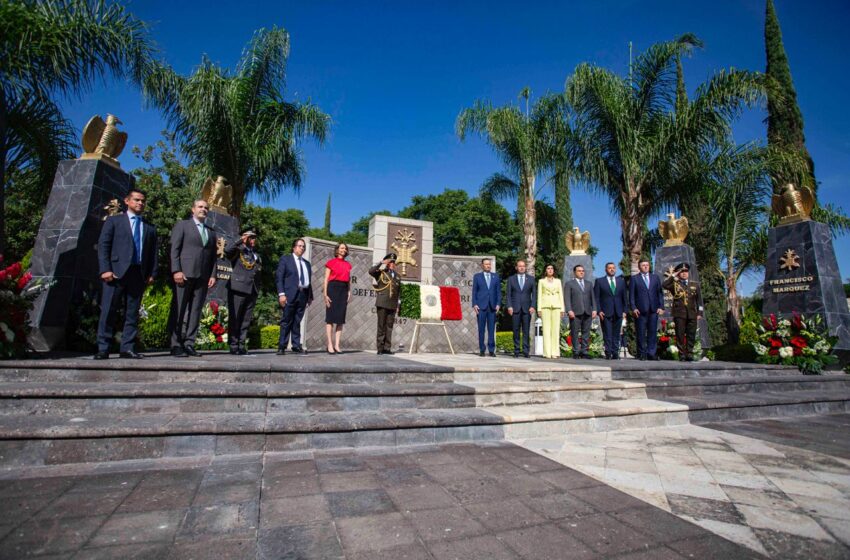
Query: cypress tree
point(785, 121)
point(328, 216)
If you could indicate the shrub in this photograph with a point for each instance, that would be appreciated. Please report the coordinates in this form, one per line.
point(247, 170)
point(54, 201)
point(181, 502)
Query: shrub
point(750, 321)
point(505, 341)
point(153, 324)
point(410, 305)
point(269, 336)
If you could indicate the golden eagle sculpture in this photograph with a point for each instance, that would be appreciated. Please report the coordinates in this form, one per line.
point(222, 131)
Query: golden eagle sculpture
point(674, 230)
point(102, 139)
point(793, 204)
point(578, 243)
point(218, 193)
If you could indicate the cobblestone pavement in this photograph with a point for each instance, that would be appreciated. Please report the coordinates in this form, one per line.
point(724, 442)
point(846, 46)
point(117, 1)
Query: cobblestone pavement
point(775, 499)
point(452, 501)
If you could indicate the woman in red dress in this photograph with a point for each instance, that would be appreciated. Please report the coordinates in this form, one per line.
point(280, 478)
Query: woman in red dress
point(337, 292)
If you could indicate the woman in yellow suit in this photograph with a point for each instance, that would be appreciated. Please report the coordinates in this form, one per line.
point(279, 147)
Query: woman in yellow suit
point(550, 305)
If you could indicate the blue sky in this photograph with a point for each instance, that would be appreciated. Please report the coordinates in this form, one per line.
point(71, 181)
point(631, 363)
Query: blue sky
point(394, 75)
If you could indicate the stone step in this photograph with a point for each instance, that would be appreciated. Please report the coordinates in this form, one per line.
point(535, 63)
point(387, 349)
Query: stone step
point(132, 398)
point(59, 439)
point(663, 388)
point(669, 369)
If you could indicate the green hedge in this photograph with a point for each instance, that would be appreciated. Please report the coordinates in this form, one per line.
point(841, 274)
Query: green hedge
point(153, 328)
point(505, 341)
point(269, 336)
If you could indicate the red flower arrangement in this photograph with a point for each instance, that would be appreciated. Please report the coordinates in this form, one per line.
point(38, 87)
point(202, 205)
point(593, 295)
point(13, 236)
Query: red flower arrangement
point(17, 292)
point(213, 331)
point(798, 341)
point(450, 304)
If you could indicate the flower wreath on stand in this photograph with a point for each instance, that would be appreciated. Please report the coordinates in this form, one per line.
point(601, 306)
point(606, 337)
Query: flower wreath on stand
point(798, 341)
point(213, 330)
point(17, 293)
point(596, 348)
point(667, 349)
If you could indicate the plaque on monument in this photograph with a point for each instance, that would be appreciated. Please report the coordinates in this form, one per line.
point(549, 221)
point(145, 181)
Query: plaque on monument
point(403, 241)
point(65, 249)
point(670, 255)
point(802, 275)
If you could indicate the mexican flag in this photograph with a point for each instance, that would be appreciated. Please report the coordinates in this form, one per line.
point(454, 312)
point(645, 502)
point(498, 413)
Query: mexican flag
point(430, 303)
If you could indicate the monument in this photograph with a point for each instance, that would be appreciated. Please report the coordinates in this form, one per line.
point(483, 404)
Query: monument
point(578, 243)
point(219, 195)
point(84, 192)
point(413, 242)
point(674, 251)
point(801, 273)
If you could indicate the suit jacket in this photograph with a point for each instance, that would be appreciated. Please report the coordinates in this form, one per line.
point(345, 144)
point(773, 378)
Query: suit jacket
point(687, 304)
point(580, 302)
point(188, 254)
point(115, 247)
point(483, 297)
point(388, 288)
point(550, 296)
point(611, 304)
point(243, 279)
point(524, 299)
point(646, 300)
point(286, 277)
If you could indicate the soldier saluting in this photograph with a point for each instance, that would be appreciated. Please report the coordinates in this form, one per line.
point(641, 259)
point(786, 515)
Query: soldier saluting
point(387, 301)
point(686, 310)
point(243, 288)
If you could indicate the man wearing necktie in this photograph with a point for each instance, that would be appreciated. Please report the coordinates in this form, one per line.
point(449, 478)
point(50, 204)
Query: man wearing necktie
point(611, 306)
point(580, 304)
point(647, 301)
point(295, 294)
point(127, 257)
point(686, 309)
point(521, 300)
point(486, 300)
point(193, 259)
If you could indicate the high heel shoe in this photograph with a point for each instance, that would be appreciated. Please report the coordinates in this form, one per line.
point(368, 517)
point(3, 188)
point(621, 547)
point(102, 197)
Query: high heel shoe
point(330, 352)
point(337, 351)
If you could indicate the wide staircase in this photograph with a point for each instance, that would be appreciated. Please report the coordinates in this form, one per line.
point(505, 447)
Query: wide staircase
point(66, 410)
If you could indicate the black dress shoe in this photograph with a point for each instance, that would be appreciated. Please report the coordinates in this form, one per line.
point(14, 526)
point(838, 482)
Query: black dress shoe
point(525, 356)
point(481, 353)
point(132, 355)
point(516, 355)
point(389, 352)
point(178, 352)
point(299, 350)
point(101, 356)
point(642, 358)
point(492, 354)
point(243, 351)
point(190, 350)
point(652, 358)
point(281, 351)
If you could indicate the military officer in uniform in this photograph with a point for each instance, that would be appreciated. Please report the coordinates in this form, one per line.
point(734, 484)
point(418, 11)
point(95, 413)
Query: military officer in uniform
point(387, 301)
point(687, 309)
point(242, 288)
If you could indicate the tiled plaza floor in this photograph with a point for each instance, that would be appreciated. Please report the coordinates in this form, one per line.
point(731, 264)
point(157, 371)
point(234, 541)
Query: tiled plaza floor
point(453, 501)
point(779, 500)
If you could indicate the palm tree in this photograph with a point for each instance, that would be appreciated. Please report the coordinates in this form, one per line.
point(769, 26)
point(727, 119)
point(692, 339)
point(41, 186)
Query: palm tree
point(528, 145)
point(238, 125)
point(630, 144)
point(49, 48)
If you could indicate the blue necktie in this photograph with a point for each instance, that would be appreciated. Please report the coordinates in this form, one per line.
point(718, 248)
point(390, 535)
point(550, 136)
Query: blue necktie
point(137, 241)
point(521, 281)
point(487, 278)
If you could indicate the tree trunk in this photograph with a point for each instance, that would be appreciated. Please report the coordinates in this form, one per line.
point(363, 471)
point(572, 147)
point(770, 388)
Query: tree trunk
point(529, 225)
point(238, 199)
point(733, 309)
point(632, 227)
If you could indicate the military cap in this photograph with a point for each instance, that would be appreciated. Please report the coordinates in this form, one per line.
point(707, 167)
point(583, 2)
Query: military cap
point(391, 257)
point(249, 231)
point(682, 267)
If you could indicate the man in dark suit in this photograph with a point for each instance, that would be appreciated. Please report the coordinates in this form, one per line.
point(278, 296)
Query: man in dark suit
point(387, 301)
point(521, 300)
point(193, 257)
point(580, 304)
point(295, 293)
point(126, 253)
point(686, 309)
point(486, 299)
point(611, 306)
point(647, 301)
point(242, 288)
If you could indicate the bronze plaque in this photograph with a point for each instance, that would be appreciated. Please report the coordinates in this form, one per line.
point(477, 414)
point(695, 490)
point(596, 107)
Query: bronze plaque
point(406, 242)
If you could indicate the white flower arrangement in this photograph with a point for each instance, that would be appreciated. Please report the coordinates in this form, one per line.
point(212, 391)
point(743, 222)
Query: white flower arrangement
point(786, 352)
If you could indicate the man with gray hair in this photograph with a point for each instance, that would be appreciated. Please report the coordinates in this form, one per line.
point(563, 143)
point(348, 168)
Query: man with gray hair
point(193, 258)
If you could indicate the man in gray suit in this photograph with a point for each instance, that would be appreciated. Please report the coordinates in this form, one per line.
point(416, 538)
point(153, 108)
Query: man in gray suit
point(580, 304)
point(193, 257)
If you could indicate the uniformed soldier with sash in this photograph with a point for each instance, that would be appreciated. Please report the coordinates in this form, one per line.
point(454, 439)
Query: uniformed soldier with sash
point(387, 301)
point(242, 288)
point(686, 309)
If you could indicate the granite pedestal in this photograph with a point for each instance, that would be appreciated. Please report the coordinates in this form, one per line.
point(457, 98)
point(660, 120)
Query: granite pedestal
point(802, 275)
point(66, 244)
point(571, 261)
point(666, 259)
point(227, 228)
